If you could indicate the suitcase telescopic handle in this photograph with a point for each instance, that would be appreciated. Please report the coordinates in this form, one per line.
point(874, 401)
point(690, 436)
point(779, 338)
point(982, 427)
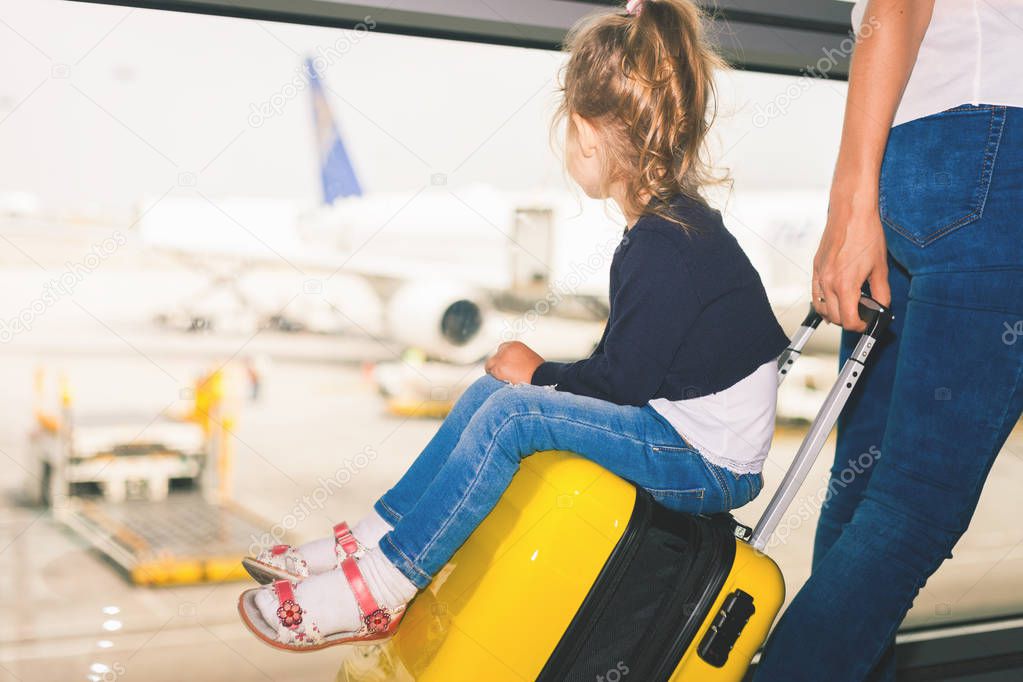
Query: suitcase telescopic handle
point(877, 317)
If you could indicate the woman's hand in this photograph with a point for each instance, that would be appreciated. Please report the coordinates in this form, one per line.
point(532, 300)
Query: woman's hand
point(852, 251)
point(513, 362)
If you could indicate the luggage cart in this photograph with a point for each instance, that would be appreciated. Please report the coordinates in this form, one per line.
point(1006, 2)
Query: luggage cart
point(151, 495)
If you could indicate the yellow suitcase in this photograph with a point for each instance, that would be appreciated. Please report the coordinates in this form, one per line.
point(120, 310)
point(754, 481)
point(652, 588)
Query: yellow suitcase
point(578, 575)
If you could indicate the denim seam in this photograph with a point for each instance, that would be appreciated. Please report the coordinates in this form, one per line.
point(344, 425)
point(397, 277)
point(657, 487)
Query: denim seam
point(390, 510)
point(572, 420)
point(984, 179)
point(721, 483)
point(942, 231)
point(673, 448)
point(689, 492)
point(405, 557)
point(1010, 267)
point(945, 304)
point(991, 153)
point(727, 490)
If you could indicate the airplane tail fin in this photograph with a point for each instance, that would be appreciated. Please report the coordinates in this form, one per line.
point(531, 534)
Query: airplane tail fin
point(336, 172)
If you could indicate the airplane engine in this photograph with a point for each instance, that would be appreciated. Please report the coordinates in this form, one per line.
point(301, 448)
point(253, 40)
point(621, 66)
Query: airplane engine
point(446, 320)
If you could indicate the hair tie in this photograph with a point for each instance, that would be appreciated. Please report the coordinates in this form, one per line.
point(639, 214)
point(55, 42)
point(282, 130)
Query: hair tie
point(634, 7)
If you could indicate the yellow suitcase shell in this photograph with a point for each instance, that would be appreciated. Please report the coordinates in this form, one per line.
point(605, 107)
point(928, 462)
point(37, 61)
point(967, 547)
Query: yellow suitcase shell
point(499, 608)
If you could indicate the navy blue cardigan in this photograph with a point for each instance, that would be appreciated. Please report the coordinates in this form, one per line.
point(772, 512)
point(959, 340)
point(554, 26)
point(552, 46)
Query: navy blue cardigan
point(689, 315)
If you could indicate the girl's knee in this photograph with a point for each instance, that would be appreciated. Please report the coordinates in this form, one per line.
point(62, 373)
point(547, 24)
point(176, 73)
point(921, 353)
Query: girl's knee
point(484, 386)
point(481, 389)
point(508, 419)
point(489, 381)
point(513, 399)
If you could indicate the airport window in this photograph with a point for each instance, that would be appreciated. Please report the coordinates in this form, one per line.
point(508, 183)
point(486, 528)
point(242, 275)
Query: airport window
point(247, 268)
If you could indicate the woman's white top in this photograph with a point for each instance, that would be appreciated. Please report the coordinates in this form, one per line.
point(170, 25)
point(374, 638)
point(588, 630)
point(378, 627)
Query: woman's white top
point(971, 54)
point(732, 428)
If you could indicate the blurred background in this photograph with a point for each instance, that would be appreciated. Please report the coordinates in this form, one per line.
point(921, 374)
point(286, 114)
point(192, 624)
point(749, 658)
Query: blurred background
point(247, 266)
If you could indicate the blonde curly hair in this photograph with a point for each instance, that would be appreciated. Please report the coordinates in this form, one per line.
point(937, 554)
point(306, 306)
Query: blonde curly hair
point(646, 80)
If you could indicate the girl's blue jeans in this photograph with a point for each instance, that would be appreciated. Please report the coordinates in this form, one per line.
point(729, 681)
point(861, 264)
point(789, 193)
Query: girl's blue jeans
point(466, 467)
point(935, 404)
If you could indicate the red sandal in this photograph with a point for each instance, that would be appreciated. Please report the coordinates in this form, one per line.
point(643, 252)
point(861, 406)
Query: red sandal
point(283, 562)
point(295, 631)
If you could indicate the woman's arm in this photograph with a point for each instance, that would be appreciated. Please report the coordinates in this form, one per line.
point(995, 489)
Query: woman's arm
point(852, 249)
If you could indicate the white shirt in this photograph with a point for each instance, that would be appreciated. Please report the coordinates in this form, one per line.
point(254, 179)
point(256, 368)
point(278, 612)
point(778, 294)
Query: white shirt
point(732, 428)
point(969, 55)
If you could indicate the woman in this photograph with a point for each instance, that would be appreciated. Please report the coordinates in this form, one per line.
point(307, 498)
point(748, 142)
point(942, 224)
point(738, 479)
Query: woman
point(926, 208)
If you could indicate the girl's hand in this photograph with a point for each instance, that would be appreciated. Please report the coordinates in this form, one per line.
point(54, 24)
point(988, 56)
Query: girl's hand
point(852, 251)
point(513, 362)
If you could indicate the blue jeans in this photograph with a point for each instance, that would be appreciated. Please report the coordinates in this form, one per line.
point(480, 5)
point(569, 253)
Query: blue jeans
point(466, 467)
point(935, 404)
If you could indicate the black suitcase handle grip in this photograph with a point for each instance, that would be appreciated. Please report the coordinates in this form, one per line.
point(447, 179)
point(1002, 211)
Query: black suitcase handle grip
point(876, 316)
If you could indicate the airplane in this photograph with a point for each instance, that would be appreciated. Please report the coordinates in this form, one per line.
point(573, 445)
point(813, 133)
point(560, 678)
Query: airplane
point(441, 269)
point(427, 269)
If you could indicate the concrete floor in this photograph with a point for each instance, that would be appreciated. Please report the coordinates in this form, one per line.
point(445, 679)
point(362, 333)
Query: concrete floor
point(68, 600)
point(70, 616)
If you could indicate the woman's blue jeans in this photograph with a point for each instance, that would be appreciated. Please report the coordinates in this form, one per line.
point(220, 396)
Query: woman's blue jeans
point(466, 467)
point(935, 404)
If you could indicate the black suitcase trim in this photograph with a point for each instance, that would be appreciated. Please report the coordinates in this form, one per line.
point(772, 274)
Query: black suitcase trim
point(659, 656)
point(649, 636)
point(577, 633)
point(722, 543)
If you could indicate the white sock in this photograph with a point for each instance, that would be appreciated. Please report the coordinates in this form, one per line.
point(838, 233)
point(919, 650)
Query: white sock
point(320, 554)
point(329, 601)
point(370, 528)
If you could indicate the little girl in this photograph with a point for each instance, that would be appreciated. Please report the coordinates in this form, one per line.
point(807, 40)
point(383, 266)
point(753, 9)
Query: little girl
point(678, 397)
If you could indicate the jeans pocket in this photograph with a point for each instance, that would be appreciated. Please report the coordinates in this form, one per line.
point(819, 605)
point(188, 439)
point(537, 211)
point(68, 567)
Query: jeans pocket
point(937, 170)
